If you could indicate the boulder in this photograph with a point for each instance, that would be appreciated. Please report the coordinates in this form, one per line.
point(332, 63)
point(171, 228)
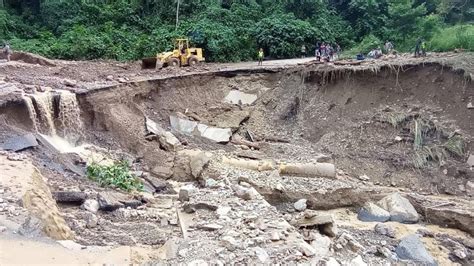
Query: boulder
point(182, 125)
point(19, 143)
point(167, 140)
point(246, 193)
point(91, 205)
point(373, 213)
point(324, 222)
point(470, 160)
point(321, 244)
point(109, 201)
point(197, 163)
point(300, 205)
point(385, 230)
point(400, 208)
point(306, 249)
point(261, 254)
point(91, 220)
point(411, 248)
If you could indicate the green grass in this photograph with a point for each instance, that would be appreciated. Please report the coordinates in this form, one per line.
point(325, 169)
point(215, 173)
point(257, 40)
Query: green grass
point(455, 37)
point(117, 175)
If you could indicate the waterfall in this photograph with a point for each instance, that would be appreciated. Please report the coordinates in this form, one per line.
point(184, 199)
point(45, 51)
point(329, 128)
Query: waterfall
point(51, 109)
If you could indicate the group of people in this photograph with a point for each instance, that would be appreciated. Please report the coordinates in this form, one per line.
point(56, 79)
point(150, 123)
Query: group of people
point(326, 52)
point(6, 51)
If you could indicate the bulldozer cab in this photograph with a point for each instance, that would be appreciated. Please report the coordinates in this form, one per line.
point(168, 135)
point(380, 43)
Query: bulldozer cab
point(182, 45)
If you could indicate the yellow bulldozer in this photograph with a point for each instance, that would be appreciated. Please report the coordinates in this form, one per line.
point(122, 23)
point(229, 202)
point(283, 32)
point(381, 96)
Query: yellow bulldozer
point(182, 55)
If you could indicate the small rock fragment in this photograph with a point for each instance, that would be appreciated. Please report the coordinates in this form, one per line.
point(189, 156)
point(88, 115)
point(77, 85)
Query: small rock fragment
point(385, 230)
point(91, 220)
point(275, 236)
point(300, 205)
point(357, 261)
point(183, 195)
point(210, 227)
point(108, 201)
point(91, 205)
point(424, 232)
point(245, 193)
point(364, 178)
point(330, 262)
point(261, 254)
point(230, 243)
point(307, 249)
point(70, 197)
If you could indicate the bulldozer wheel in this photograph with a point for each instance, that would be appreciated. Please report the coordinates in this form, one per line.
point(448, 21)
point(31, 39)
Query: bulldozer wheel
point(193, 60)
point(173, 62)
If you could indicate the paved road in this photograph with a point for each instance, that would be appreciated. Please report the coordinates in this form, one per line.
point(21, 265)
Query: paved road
point(269, 63)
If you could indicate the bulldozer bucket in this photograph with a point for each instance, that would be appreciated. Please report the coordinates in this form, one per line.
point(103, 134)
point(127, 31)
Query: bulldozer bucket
point(149, 63)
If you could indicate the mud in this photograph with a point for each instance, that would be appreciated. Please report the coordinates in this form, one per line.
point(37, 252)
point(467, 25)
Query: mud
point(387, 126)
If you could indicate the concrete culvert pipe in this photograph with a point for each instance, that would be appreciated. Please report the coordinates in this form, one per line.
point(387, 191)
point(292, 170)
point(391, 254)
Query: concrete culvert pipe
point(308, 169)
point(250, 164)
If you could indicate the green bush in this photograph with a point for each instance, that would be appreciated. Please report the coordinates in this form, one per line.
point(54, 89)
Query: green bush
point(455, 37)
point(116, 175)
point(368, 43)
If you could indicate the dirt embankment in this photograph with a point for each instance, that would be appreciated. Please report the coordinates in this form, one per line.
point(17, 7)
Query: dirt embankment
point(363, 119)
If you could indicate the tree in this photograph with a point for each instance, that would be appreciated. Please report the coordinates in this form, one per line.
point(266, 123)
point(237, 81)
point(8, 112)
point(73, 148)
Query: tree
point(403, 17)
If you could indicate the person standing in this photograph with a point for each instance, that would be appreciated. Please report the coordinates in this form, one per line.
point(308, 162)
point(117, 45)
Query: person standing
point(303, 51)
point(260, 56)
point(7, 51)
point(388, 47)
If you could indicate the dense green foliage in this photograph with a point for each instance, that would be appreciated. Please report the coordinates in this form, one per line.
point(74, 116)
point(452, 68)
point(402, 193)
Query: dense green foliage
point(116, 175)
point(230, 30)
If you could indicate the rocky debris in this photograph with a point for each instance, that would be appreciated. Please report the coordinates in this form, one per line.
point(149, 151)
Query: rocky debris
point(69, 197)
point(324, 222)
point(240, 98)
point(16, 157)
point(2, 228)
point(364, 178)
point(411, 248)
point(249, 154)
point(400, 208)
point(370, 212)
point(470, 105)
point(109, 201)
point(385, 230)
point(246, 193)
point(300, 205)
point(357, 261)
point(457, 250)
point(385, 252)
point(91, 205)
point(210, 227)
point(346, 239)
point(32, 227)
point(424, 232)
point(19, 143)
point(230, 243)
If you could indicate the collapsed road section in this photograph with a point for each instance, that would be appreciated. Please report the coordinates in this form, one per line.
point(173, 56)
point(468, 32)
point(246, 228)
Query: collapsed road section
point(334, 164)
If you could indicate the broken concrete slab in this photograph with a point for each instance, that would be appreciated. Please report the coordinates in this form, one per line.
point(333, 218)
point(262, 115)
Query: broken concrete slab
point(182, 125)
point(231, 120)
point(238, 97)
point(193, 128)
point(220, 135)
point(19, 143)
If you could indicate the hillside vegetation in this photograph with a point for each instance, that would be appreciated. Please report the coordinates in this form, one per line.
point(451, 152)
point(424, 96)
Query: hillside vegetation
point(230, 30)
